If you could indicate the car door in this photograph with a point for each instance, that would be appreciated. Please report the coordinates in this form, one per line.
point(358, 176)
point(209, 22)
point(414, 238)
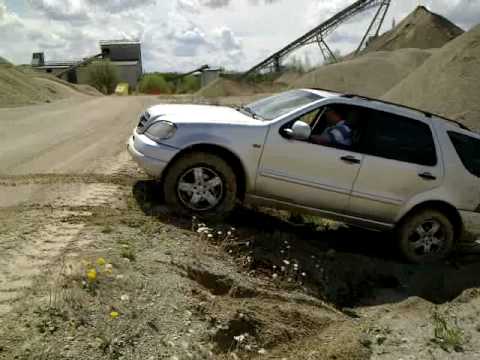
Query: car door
point(401, 161)
point(304, 173)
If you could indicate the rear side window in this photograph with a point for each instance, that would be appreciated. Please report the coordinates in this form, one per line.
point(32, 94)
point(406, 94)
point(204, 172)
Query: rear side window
point(468, 149)
point(395, 137)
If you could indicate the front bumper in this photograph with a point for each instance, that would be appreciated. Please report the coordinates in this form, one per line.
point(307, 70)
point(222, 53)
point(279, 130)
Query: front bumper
point(471, 225)
point(153, 158)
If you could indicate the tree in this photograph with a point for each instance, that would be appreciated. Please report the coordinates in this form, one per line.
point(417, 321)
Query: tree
point(103, 76)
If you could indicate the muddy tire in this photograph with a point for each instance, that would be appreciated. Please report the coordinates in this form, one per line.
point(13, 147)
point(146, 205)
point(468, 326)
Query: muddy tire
point(426, 236)
point(201, 184)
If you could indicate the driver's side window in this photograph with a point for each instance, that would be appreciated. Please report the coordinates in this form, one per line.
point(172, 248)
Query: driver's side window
point(310, 117)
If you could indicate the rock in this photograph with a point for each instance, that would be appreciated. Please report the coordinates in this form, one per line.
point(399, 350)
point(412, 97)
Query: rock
point(331, 253)
point(380, 339)
point(365, 341)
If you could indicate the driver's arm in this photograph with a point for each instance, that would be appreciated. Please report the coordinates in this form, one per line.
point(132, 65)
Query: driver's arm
point(323, 139)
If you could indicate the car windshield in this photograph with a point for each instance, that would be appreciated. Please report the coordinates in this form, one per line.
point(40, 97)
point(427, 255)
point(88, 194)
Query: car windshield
point(277, 105)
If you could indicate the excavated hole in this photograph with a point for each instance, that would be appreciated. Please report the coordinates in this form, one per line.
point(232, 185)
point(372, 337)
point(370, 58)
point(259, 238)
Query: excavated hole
point(224, 337)
point(217, 284)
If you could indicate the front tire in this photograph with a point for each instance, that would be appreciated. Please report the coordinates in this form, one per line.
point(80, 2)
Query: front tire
point(426, 236)
point(201, 184)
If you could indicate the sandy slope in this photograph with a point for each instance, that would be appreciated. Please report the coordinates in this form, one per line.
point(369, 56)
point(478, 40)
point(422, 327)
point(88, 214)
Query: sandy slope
point(448, 83)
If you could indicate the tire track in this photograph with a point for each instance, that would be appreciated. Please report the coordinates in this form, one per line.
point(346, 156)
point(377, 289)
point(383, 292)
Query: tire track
point(55, 236)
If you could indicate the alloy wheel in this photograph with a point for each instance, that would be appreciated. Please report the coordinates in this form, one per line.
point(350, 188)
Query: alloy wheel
point(428, 238)
point(200, 188)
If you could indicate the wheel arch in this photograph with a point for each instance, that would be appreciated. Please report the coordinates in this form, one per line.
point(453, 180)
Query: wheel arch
point(231, 158)
point(448, 209)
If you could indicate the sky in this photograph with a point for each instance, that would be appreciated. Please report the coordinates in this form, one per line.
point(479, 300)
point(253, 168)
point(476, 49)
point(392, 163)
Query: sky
point(180, 35)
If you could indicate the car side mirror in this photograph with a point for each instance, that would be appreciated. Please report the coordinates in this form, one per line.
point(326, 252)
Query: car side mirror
point(299, 131)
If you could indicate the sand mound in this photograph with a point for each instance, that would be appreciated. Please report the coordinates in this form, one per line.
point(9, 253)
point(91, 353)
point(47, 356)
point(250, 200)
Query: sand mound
point(448, 83)
point(372, 74)
point(4, 61)
point(227, 87)
point(289, 77)
point(19, 86)
point(421, 29)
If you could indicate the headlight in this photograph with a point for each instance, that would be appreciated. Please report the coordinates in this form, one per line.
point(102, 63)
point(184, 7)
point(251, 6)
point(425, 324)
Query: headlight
point(161, 130)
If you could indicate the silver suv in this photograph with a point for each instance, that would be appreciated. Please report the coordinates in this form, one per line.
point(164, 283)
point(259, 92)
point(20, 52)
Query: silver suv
point(404, 170)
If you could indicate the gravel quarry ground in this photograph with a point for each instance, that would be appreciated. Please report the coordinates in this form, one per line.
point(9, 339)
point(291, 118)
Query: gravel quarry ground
point(94, 267)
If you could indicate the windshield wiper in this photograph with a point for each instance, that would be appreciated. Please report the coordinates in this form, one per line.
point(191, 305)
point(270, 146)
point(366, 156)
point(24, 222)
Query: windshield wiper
point(249, 111)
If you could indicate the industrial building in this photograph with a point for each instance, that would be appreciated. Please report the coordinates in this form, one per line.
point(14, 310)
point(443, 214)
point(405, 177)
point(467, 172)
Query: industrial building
point(124, 55)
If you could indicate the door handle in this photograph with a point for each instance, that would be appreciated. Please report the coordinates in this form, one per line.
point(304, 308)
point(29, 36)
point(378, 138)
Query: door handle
point(427, 176)
point(350, 159)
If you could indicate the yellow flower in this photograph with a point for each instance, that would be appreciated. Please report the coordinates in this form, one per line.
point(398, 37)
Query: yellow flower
point(101, 261)
point(92, 275)
point(114, 314)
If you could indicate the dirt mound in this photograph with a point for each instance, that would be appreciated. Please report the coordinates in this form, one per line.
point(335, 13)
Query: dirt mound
point(372, 74)
point(4, 61)
point(289, 77)
point(448, 83)
point(422, 29)
point(227, 87)
point(20, 87)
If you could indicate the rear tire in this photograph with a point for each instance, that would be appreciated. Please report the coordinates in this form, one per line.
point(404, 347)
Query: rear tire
point(201, 184)
point(426, 236)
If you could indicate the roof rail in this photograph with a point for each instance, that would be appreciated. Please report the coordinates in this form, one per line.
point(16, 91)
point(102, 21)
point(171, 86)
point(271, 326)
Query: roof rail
point(426, 113)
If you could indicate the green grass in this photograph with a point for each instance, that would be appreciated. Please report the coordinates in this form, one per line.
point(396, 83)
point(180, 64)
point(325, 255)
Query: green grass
point(448, 336)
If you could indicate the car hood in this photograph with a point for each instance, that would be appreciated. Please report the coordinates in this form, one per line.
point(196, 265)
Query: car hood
point(201, 114)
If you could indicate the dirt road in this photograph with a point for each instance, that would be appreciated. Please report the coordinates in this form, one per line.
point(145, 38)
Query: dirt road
point(76, 135)
point(54, 157)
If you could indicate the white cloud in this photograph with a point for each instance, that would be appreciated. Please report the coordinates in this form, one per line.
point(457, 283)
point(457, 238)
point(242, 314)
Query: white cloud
point(71, 10)
point(183, 34)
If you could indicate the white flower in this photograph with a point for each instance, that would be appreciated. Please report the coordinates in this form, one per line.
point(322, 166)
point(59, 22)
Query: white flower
point(304, 274)
point(108, 267)
point(283, 268)
point(274, 276)
point(286, 262)
point(210, 236)
point(240, 338)
point(203, 229)
point(229, 233)
point(125, 297)
point(262, 351)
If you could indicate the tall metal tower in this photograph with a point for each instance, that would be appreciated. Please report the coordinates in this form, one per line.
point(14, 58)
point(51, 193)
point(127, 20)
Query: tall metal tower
point(319, 34)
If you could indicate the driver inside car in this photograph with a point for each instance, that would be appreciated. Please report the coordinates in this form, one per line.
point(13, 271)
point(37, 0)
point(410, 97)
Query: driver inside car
point(337, 132)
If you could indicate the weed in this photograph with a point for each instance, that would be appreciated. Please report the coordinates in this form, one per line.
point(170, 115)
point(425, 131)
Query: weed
point(448, 336)
point(128, 253)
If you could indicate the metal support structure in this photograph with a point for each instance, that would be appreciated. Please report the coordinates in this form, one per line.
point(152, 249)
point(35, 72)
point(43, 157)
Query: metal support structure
point(200, 69)
point(327, 53)
point(320, 31)
point(376, 24)
point(84, 62)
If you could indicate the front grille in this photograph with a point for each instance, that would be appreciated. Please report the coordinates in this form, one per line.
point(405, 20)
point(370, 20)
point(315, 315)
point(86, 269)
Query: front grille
point(143, 121)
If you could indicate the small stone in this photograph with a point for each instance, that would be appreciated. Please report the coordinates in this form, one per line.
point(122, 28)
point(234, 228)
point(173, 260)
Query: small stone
point(365, 341)
point(331, 253)
point(380, 339)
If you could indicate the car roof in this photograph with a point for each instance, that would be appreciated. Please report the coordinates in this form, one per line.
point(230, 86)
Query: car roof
point(387, 104)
